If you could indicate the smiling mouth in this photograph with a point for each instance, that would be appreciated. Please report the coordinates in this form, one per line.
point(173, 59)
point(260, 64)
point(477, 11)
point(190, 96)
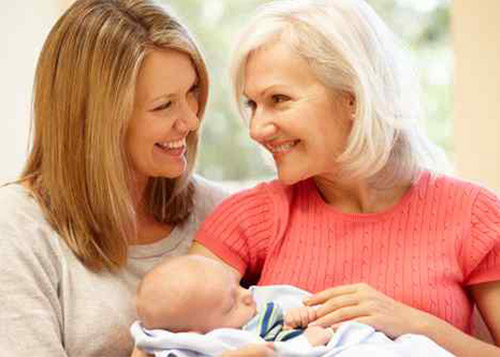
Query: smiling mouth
point(283, 147)
point(174, 148)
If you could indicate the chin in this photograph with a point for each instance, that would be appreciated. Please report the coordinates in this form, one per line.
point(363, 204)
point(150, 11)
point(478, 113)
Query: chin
point(288, 179)
point(293, 177)
point(172, 173)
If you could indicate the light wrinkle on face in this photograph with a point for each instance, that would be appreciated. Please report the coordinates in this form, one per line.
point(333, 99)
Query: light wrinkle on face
point(314, 118)
point(163, 72)
point(270, 78)
point(231, 300)
point(154, 86)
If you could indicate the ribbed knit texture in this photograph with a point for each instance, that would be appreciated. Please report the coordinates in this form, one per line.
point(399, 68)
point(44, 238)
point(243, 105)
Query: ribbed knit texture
point(443, 235)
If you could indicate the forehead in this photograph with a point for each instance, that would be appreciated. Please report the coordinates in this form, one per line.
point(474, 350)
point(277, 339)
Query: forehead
point(218, 282)
point(276, 64)
point(164, 71)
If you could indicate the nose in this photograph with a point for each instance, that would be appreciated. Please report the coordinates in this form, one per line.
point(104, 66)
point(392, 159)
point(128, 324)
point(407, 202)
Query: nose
point(246, 296)
point(188, 117)
point(261, 128)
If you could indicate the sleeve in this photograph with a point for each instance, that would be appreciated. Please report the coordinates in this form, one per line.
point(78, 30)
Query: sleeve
point(481, 249)
point(241, 229)
point(31, 317)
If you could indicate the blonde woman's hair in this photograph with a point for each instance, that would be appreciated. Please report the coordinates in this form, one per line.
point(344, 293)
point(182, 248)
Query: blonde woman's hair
point(350, 50)
point(84, 92)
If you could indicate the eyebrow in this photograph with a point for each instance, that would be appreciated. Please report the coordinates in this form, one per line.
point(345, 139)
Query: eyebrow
point(263, 92)
point(195, 83)
point(233, 300)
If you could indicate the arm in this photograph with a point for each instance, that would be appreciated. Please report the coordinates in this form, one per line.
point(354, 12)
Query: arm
point(487, 298)
point(362, 303)
point(31, 318)
point(199, 249)
point(239, 232)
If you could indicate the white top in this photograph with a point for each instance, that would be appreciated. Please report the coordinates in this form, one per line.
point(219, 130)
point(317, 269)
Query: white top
point(51, 304)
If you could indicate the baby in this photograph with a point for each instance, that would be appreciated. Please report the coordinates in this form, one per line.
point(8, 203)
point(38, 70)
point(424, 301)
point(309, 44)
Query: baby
point(197, 294)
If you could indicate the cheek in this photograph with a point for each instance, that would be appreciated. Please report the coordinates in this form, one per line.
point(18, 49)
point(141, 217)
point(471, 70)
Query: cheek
point(130, 141)
point(194, 104)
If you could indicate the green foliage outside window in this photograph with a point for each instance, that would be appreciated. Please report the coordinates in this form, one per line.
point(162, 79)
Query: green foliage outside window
point(227, 152)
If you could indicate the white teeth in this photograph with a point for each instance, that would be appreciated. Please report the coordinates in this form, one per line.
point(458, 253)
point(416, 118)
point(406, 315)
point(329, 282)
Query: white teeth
point(173, 144)
point(282, 147)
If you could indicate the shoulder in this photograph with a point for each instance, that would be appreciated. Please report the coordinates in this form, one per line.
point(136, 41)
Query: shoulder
point(270, 191)
point(207, 195)
point(206, 189)
point(446, 186)
point(265, 205)
point(25, 235)
point(18, 207)
point(467, 198)
point(248, 206)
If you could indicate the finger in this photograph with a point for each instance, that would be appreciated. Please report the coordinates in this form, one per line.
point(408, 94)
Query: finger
point(312, 314)
point(340, 315)
point(288, 319)
point(291, 318)
point(336, 304)
point(322, 296)
point(304, 317)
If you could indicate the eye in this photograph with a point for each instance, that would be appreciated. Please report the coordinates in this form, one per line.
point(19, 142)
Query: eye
point(250, 104)
point(163, 106)
point(195, 89)
point(279, 98)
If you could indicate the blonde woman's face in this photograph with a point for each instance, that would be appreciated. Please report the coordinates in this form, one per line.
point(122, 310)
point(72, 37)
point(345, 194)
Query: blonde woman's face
point(165, 112)
point(301, 122)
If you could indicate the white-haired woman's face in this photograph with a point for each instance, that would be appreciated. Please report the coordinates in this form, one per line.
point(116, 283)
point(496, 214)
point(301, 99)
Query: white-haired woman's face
point(301, 122)
point(165, 112)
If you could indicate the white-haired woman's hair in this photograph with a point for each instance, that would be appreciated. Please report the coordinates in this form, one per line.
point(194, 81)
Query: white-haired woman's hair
point(350, 50)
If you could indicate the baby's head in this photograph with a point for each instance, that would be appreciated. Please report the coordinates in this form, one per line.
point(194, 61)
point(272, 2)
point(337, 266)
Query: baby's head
point(193, 293)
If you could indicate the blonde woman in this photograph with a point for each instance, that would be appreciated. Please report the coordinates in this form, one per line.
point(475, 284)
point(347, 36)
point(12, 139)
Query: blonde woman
point(107, 191)
point(360, 213)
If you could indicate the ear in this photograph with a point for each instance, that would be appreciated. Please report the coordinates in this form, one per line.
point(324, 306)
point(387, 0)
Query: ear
point(351, 105)
point(350, 99)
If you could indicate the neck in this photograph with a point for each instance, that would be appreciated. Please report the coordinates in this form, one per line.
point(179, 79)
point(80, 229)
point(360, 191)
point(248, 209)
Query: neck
point(358, 196)
point(149, 230)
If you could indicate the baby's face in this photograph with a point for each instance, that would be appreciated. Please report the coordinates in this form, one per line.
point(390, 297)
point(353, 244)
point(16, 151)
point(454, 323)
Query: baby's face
point(228, 304)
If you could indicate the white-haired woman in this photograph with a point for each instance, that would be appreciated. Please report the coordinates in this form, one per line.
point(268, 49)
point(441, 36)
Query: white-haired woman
point(107, 191)
point(360, 214)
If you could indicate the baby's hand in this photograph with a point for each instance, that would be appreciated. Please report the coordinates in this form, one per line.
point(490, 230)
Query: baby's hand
point(300, 317)
point(318, 336)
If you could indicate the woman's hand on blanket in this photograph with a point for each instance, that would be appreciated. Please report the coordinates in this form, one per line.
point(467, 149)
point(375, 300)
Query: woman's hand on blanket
point(300, 317)
point(362, 303)
point(252, 350)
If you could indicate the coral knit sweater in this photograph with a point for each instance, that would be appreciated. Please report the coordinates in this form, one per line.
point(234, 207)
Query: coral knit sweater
point(443, 236)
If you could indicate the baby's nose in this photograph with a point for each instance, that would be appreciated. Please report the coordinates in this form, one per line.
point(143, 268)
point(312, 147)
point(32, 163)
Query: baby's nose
point(247, 297)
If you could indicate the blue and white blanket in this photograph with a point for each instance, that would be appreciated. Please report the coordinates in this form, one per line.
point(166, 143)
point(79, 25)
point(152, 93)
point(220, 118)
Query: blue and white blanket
point(350, 339)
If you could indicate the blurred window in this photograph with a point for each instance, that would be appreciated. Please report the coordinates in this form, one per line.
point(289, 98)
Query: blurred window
point(228, 154)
